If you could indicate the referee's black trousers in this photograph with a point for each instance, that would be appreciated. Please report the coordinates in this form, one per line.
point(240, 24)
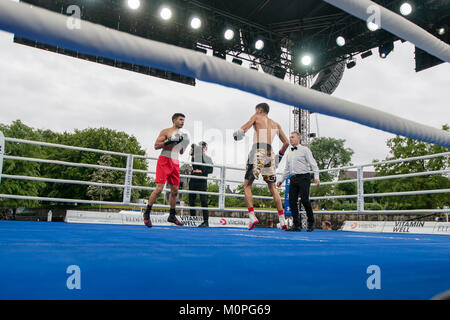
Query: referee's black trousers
point(199, 186)
point(299, 187)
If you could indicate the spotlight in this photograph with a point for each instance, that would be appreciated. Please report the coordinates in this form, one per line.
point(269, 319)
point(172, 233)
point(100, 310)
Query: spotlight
point(372, 26)
point(134, 4)
point(219, 54)
point(441, 31)
point(385, 49)
point(259, 44)
point(201, 50)
point(340, 41)
point(166, 13)
point(279, 72)
point(237, 61)
point(196, 23)
point(351, 64)
point(306, 60)
point(229, 34)
point(406, 9)
point(366, 54)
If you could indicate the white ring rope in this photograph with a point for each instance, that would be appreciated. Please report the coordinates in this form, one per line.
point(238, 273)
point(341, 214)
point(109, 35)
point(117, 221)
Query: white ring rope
point(396, 24)
point(51, 28)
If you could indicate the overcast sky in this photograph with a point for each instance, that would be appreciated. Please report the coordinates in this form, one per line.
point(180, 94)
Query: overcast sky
point(51, 91)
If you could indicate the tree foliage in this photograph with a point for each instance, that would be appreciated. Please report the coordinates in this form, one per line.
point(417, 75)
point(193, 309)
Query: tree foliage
point(93, 138)
point(407, 148)
point(330, 153)
point(19, 130)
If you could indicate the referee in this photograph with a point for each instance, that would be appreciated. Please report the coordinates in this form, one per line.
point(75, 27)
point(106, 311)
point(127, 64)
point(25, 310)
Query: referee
point(299, 162)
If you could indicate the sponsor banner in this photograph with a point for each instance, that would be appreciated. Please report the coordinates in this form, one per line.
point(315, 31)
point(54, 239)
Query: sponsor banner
point(158, 219)
point(363, 226)
point(75, 216)
point(416, 227)
point(411, 227)
point(229, 222)
point(442, 228)
point(135, 218)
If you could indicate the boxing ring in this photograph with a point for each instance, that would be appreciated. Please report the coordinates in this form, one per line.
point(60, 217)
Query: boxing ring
point(175, 263)
point(133, 262)
point(120, 261)
point(51, 28)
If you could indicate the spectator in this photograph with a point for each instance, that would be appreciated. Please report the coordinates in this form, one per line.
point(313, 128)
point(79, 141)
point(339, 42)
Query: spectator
point(198, 154)
point(326, 225)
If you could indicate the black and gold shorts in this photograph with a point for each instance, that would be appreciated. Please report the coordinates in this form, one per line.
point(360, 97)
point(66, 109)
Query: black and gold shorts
point(261, 160)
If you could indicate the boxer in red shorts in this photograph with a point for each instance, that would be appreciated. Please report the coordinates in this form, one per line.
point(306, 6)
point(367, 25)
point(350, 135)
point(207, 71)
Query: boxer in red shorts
point(172, 142)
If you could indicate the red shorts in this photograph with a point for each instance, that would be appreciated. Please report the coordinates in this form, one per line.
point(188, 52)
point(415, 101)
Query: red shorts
point(168, 169)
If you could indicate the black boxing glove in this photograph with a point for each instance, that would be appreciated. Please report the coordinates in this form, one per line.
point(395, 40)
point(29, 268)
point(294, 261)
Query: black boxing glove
point(175, 139)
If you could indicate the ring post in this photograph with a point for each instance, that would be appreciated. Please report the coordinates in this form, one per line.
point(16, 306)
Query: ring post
point(128, 180)
point(2, 150)
point(287, 207)
point(360, 186)
point(222, 188)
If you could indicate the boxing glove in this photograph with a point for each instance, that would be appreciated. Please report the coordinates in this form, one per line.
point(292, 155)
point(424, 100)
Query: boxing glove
point(175, 139)
point(238, 134)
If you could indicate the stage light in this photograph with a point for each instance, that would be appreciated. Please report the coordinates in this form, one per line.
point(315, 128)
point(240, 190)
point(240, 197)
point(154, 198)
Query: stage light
point(340, 41)
point(229, 34)
point(166, 13)
point(441, 31)
point(385, 49)
point(406, 9)
point(279, 72)
point(196, 23)
point(259, 44)
point(134, 4)
point(351, 64)
point(237, 61)
point(366, 54)
point(372, 26)
point(306, 60)
point(201, 50)
point(219, 54)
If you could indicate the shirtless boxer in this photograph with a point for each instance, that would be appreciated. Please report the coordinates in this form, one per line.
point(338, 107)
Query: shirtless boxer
point(261, 159)
point(172, 142)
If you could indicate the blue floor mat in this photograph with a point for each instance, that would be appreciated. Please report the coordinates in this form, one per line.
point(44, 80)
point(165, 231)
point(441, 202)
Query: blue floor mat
point(180, 263)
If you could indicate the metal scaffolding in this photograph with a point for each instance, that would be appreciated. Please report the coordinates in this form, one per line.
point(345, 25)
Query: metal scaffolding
point(302, 121)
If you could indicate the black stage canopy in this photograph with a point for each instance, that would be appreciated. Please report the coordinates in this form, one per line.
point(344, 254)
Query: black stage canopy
point(289, 29)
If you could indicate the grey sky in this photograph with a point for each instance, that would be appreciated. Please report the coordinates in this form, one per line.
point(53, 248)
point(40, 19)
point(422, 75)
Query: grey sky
point(51, 91)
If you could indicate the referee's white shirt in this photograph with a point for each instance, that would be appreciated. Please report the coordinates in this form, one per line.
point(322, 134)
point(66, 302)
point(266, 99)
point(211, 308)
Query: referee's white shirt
point(300, 161)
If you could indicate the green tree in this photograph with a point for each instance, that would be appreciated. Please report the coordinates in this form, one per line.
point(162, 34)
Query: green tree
point(101, 176)
point(405, 148)
point(102, 139)
point(257, 191)
point(330, 153)
point(19, 130)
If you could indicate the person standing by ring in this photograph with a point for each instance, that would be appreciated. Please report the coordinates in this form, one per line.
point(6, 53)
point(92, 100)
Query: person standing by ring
point(198, 154)
point(299, 163)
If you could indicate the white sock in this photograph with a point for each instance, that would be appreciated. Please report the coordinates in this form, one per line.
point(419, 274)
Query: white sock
point(282, 219)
